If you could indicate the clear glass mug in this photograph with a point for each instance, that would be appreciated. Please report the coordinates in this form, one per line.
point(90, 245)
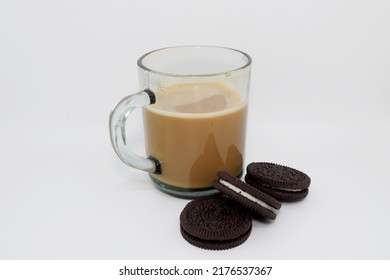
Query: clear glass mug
point(194, 101)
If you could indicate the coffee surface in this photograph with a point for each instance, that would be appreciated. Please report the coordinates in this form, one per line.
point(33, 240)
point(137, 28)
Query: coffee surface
point(195, 130)
point(197, 98)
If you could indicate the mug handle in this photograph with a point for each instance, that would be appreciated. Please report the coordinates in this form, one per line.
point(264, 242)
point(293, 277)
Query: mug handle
point(117, 125)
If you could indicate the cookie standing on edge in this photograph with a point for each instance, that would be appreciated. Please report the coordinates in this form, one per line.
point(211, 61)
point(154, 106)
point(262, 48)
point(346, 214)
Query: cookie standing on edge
point(248, 196)
point(215, 223)
point(281, 182)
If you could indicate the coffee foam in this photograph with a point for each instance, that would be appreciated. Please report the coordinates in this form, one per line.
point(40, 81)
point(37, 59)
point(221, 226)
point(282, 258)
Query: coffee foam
point(197, 100)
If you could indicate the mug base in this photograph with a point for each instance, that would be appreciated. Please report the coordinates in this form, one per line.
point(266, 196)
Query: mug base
point(183, 193)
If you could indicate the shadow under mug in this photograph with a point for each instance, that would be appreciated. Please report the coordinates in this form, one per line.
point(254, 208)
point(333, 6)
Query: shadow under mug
point(194, 101)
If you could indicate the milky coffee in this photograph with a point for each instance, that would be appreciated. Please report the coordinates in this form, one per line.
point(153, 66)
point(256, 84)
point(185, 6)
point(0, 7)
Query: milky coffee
point(195, 130)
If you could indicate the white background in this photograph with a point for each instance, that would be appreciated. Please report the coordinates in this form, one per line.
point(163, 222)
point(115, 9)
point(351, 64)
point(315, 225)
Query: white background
point(319, 102)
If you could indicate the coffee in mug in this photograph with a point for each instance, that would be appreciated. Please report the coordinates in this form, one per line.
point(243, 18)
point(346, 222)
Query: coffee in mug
point(195, 101)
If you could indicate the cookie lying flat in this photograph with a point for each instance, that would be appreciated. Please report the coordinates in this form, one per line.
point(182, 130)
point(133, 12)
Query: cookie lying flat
point(281, 182)
point(248, 196)
point(215, 223)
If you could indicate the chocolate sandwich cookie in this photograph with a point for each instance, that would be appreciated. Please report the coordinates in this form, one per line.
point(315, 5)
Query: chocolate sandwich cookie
point(215, 223)
point(248, 196)
point(281, 182)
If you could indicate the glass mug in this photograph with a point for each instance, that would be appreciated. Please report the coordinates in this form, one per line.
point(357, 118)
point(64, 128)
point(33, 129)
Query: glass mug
point(194, 101)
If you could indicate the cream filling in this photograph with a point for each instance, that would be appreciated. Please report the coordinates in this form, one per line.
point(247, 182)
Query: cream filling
point(248, 196)
point(286, 189)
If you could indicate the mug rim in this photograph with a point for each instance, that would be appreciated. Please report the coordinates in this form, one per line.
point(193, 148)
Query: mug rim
point(149, 69)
